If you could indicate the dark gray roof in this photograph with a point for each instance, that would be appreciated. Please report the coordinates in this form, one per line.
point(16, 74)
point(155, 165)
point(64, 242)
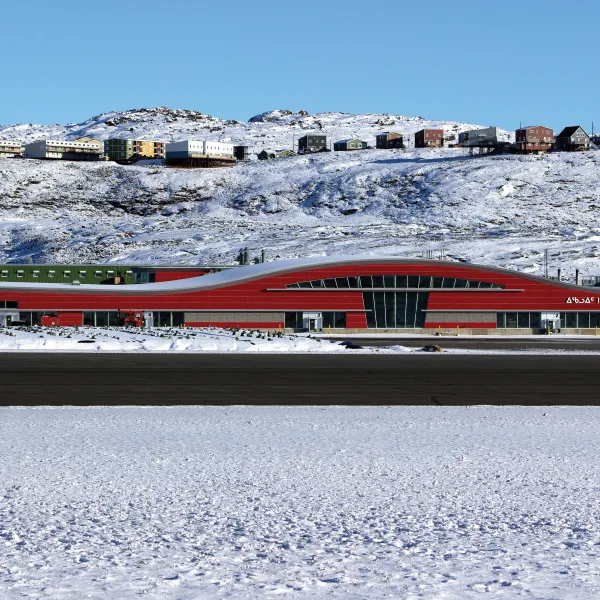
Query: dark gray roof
point(569, 131)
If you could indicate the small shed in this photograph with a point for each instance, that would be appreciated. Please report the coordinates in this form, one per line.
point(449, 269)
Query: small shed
point(241, 152)
point(349, 145)
point(269, 154)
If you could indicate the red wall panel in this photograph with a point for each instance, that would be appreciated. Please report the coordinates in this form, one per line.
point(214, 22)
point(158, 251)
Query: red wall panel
point(72, 319)
point(528, 295)
point(174, 275)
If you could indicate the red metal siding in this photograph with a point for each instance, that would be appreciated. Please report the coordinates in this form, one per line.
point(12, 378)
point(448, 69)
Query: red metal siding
point(73, 319)
point(173, 275)
point(256, 295)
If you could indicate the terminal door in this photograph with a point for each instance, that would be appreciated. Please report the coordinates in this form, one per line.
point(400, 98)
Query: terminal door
point(551, 322)
point(313, 321)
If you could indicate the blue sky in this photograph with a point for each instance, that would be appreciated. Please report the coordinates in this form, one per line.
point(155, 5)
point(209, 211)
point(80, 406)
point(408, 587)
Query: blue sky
point(491, 62)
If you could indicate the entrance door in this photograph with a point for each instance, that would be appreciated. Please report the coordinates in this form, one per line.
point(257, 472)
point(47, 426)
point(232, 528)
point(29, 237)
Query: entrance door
point(550, 321)
point(148, 319)
point(313, 321)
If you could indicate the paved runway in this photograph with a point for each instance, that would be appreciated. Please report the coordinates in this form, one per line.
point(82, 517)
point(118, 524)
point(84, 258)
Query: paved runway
point(96, 379)
point(551, 342)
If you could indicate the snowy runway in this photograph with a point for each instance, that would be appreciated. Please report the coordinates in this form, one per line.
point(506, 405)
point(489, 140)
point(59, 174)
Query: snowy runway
point(307, 502)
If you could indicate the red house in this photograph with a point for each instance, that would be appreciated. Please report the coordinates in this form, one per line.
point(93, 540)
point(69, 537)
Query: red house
point(429, 138)
point(534, 139)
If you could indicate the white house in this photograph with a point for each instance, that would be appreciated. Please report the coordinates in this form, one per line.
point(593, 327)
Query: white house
point(488, 136)
point(198, 149)
point(64, 149)
point(9, 149)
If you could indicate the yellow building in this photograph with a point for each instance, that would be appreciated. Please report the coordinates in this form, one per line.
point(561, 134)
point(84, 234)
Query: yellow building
point(128, 150)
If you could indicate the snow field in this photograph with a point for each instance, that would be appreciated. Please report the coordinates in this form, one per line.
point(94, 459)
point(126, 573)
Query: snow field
point(223, 341)
point(306, 502)
point(120, 339)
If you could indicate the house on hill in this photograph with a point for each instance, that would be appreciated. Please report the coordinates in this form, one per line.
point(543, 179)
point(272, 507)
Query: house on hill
point(573, 138)
point(485, 137)
point(429, 138)
point(312, 143)
point(534, 139)
point(80, 149)
point(199, 154)
point(9, 149)
point(130, 150)
point(349, 145)
point(389, 139)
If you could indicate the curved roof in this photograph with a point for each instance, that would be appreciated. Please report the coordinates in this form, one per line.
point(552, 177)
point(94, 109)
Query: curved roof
point(258, 271)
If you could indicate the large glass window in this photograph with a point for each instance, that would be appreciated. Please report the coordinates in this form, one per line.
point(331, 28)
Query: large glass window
point(101, 319)
point(397, 281)
point(163, 319)
point(522, 320)
point(511, 320)
point(144, 277)
point(583, 320)
point(594, 319)
point(395, 310)
point(335, 320)
point(293, 320)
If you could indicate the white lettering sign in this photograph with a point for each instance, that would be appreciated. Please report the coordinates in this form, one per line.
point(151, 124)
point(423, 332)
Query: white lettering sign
point(588, 300)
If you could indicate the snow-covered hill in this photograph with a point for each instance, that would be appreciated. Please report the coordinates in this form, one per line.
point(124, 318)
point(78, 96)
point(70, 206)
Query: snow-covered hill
point(498, 210)
point(271, 130)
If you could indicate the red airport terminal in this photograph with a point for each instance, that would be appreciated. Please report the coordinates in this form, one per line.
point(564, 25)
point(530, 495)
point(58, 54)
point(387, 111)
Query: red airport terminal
point(341, 294)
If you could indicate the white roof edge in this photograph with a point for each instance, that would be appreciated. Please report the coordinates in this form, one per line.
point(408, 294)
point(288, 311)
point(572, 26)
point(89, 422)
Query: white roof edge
point(252, 272)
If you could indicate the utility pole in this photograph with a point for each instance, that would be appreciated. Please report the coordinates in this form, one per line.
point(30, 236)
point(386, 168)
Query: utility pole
point(546, 263)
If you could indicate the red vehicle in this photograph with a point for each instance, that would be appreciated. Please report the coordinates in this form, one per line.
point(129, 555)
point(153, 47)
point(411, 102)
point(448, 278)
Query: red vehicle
point(132, 318)
point(50, 321)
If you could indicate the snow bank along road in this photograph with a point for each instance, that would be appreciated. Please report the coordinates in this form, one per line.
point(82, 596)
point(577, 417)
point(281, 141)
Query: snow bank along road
point(432, 503)
point(297, 379)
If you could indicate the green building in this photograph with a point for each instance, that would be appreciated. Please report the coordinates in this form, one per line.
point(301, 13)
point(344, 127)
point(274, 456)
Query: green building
point(349, 145)
point(107, 274)
point(129, 150)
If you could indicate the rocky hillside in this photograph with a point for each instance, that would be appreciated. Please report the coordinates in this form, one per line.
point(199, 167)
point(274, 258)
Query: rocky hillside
point(272, 130)
point(502, 210)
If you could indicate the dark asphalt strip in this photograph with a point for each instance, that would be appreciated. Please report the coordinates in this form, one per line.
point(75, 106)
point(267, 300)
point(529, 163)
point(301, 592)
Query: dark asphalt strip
point(146, 379)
